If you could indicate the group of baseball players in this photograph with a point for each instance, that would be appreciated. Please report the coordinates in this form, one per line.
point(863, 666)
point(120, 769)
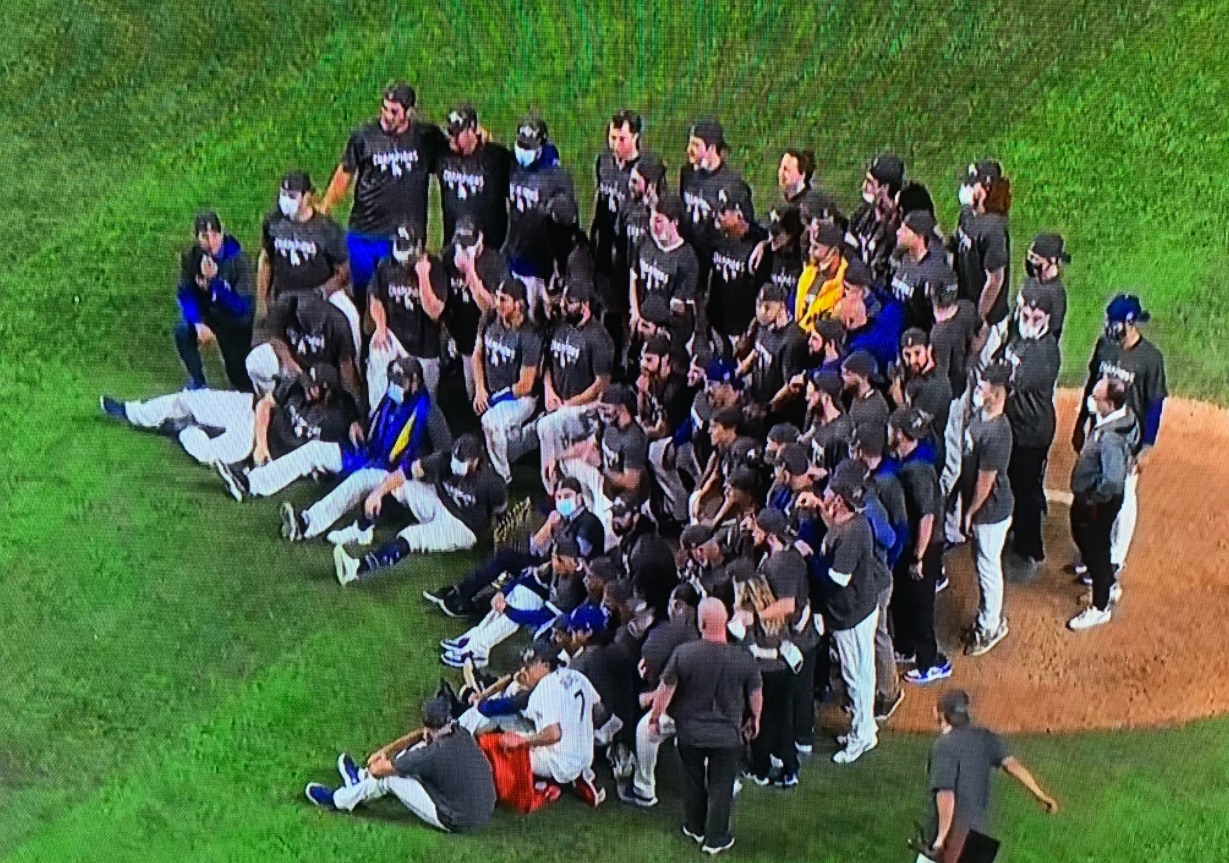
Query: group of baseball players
point(756, 440)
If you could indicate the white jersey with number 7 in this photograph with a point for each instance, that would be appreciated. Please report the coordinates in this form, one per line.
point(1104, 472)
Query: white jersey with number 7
point(566, 697)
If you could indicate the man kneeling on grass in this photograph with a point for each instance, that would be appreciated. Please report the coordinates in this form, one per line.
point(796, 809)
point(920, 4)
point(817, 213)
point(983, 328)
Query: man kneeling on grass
point(438, 773)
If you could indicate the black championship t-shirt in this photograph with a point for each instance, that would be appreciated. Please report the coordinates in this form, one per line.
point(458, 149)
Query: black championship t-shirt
point(578, 356)
point(461, 313)
point(733, 284)
point(672, 274)
point(908, 285)
point(302, 255)
point(334, 344)
point(919, 481)
point(849, 549)
point(476, 186)
point(987, 447)
point(949, 344)
point(983, 246)
point(612, 194)
point(506, 351)
point(295, 421)
point(701, 191)
point(1141, 369)
point(474, 498)
point(780, 353)
point(392, 173)
point(397, 288)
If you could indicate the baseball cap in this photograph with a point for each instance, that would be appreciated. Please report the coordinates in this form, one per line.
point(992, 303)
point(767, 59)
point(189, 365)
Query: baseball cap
point(848, 482)
point(914, 196)
point(466, 232)
point(735, 196)
point(657, 346)
point(784, 433)
point(914, 337)
point(860, 363)
point(623, 505)
point(829, 236)
point(566, 546)
point(870, 439)
point(401, 93)
point(531, 134)
point(671, 206)
point(710, 132)
point(720, 371)
point(772, 521)
point(997, 374)
point(407, 239)
point(512, 287)
point(297, 181)
point(944, 287)
point(620, 395)
point(436, 712)
point(774, 293)
point(858, 274)
point(651, 167)
point(827, 381)
point(920, 222)
point(655, 309)
point(311, 311)
point(459, 119)
point(887, 168)
point(207, 220)
point(579, 288)
point(696, 535)
point(728, 417)
point(467, 447)
point(325, 376)
point(1051, 247)
point(541, 651)
point(785, 220)
point(913, 423)
point(793, 457)
point(405, 369)
point(1126, 309)
point(587, 618)
point(955, 704)
point(984, 171)
point(1033, 297)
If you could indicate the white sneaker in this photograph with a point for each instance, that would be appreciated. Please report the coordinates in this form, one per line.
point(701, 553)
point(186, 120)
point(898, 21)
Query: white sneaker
point(853, 751)
point(347, 566)
point(1088, 618)
point(352, 535)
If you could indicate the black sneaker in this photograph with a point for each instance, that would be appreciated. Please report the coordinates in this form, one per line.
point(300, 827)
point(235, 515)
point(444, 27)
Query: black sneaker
point(457, 607)
point(234, 479)
point(439, 595)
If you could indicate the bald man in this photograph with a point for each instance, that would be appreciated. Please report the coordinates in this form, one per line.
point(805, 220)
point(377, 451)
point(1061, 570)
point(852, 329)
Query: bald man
point(716, 695)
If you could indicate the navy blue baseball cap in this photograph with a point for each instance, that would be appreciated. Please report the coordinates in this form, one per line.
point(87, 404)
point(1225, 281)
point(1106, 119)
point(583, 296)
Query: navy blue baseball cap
point(1126, 309)
point(722, 372)
point(587, 618)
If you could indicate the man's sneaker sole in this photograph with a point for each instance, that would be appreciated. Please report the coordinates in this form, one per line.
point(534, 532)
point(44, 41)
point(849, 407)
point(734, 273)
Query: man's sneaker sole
point(631, 797)
point(347, 769)
point(320, 795)
point(694, 837)
point(714, 850)
point(930, 675)
point(290, 522)
point(981, 648)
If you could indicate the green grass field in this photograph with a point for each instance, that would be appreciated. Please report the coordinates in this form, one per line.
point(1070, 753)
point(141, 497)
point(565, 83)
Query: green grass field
point(171, 674)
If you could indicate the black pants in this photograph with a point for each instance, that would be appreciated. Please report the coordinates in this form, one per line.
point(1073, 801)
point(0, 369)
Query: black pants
point(708, 790)
point(1027, 472)
point(234, 341)
point(913, 606)
point(485, 573)
point(1091, 525)
point(776, 725)
point(804, 698)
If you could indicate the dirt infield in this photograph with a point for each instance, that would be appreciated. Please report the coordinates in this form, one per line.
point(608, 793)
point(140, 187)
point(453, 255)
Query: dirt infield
point(1162, 658)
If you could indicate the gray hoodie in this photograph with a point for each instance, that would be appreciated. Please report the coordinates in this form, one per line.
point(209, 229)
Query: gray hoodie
point(1100, 472)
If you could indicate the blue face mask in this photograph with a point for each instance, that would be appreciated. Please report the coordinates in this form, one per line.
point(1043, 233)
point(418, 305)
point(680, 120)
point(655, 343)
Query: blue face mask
point(396, 393)
point(566, 506)
point(525, 157)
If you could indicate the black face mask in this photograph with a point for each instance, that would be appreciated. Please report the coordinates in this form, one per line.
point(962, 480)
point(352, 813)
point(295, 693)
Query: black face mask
point(574, 315)
point(1031, 269)
point(1116, 332)
point(622, 526)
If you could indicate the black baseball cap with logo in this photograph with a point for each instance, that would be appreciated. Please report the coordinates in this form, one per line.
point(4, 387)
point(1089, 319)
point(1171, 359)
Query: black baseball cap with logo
point(914, 337)
point(920, 222)
point(1033, 296)
point(460, 118)
point(984, 172)
point(206, 220)
point(513, 288)
point(889, 169)
point(531, 134)
point(735, 197)
point(829, 236)
point(466, 232)
point(297, 181)
point(710, 132)
point(401, 93)
point(785, 220)
point(651, 168)
point(1050, 247)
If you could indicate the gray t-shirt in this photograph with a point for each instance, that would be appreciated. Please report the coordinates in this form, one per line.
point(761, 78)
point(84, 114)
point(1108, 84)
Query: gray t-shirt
point(578, 356)
point(660, 644)
point(964, 761)
point(870, 411)
point(457, 777)
point(987, 447)
point(624, 448)
point(506, 351)
point(849, 549)
point(910, 279)
point(950, 341)
point(714, 683)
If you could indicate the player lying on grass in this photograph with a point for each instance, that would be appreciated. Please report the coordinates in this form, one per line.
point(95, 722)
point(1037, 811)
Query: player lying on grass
point(221, 426)
point(438, 773)
point(407, 425)
point(453, 496)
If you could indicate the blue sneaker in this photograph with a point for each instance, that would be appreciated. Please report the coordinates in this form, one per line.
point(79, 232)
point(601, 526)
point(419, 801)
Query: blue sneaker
point(454, 645)
point(320, 795)
point(113, 408)
point(923, 676)
point(348, 769)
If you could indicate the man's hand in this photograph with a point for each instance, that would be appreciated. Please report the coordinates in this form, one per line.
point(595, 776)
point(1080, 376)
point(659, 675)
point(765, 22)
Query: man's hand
point(481, 396)
point(416, 470)
point(511, 740)
point(757, 254)
point(552, 402)
point(915, 570)
point(1141, 460)
point(356, 433)
point(379, 766)
point(380, 339)
point(209, 269)
point(751, 728)
point(422, 269)
point(371, 507)
point(655, 726)
point(499, 603)
point(1078, 436)
point(1049, 804)
point(204, 335)
point(554, 519)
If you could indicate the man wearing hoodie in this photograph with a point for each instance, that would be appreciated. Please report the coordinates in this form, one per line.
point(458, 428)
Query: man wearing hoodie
point(1098, 481)
point(215, 296)
point(542, 212)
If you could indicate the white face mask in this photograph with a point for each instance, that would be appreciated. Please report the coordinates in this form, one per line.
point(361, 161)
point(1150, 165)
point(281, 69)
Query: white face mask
point(459, 468)
point(979, 400)
point(396, 393)
point(868, 196)
point(1091, 404)
point(402, 256)
point(1033, 330)
point(524, 157)
point(965, 194)
point(288, 204)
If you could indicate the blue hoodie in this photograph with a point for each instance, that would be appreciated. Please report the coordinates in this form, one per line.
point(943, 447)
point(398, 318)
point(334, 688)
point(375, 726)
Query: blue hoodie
point(881, 334)
point(228, 293)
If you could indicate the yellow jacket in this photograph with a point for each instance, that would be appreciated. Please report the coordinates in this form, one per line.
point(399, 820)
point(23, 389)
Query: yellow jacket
point(810, 305)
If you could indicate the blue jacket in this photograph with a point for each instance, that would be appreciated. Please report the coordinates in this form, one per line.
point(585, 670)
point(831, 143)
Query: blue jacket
point(881, 334)
point(229, 293)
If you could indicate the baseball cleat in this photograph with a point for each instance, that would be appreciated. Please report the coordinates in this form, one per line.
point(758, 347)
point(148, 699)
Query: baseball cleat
point(320, 795)
point(762, 781)
point(629, 795)
point(804, 748)
point(292, 522)
point(437, 596)
point(234, 480)
point(588, 790)
point(884, 712)
point(113, 408)
point(852, 752)
point(346, 566)
point(458, 660)
point(348, 770)
point(352, 535)
point(921, 677)
point(714, 850)
point(1089, 618)
point(786, 781)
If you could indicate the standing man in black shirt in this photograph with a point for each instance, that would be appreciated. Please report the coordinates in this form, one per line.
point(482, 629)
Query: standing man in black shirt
point(783, 252)
point(715, 696)
point(665, 265)
point(872, 227)
point(302, 249)
point(778, 353)
point(613, 171)
point(390, 161)
point(701, 181)
point(1043, 268)
point(542, 213)
point(646, 182)
point(475, 271)
point(917, 382)
point(473, 175)
point(411, 290)
point(734, 280)
point(922, 260)
point(983, 250)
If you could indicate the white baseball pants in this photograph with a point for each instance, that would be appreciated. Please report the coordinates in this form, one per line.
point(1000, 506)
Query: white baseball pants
point(230, 411)
point(557, 431)
point(856, 649)
point(408, 790)
point(648, 744)
point(496, 628)
point(988, 540)
point(352, 491)
point(498, 424)
point(313, 457)
point(437, 528)
point(1124, 524)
